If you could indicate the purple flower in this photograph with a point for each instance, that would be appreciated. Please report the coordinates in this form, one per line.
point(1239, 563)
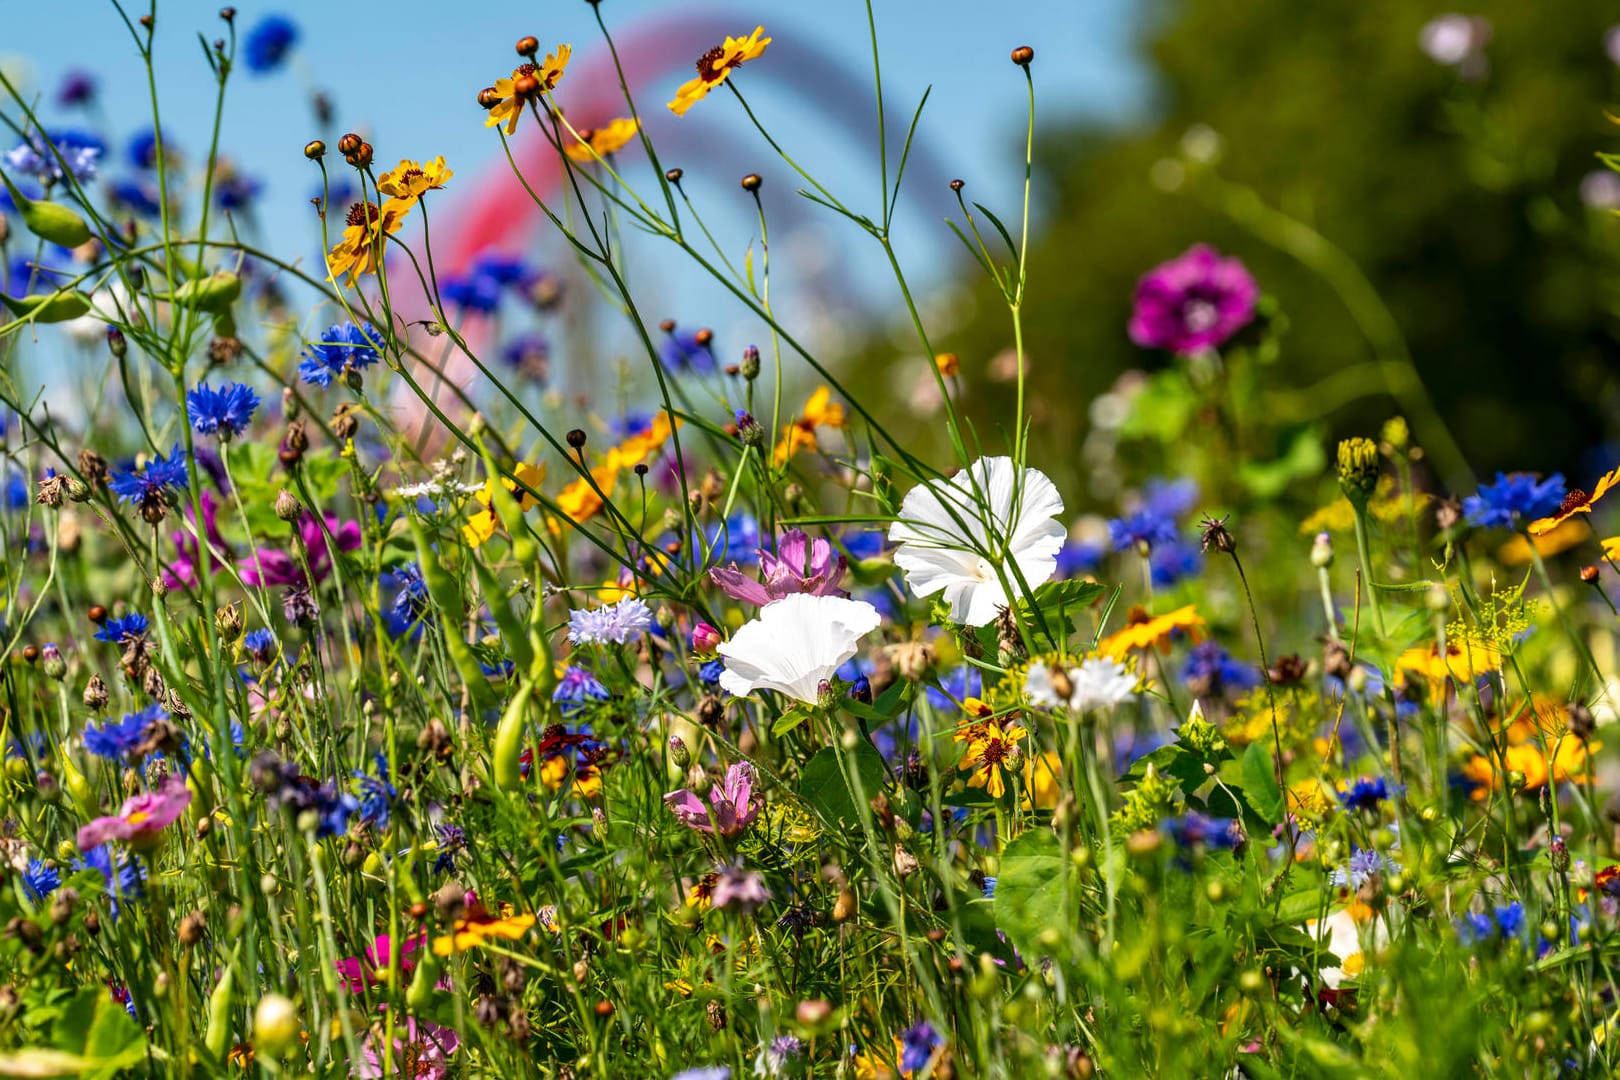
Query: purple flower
point(615, 624)
point(420, 1050)
point(225, 412)
point(272, 566)
point(1193, 302)
point(739, 889)
point(1456, 41)
point(1366, 793)
point(1364, 863)
point(138, 198)
point(142, 819)
point(1145, 528)
point(917, 1044)
point(683, 352)
point(1196, 830)
point(1210, 671)
point(577, 687)
point(800, 565)
point(183, 572)
point(38, 156)
point(77, 88)
point(530, 354)
point(732, 807)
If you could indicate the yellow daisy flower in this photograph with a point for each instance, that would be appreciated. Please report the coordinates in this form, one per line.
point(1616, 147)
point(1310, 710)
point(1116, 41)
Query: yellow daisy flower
point(1144, 631)
point(800, 434)
point(714, 66)
point(411, 181)
point(478, 925)
point(366, 224)
point(602, 141)
point(1576, 502)
point(527, 83)
point(483, 523)
point(989, 743)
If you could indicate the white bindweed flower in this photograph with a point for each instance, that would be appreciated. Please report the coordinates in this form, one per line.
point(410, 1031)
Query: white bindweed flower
point(795, 644)
point(943, 530)
point(1097, 683)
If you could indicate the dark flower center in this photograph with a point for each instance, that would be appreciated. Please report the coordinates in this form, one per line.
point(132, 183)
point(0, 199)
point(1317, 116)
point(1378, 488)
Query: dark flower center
point(709, 66)
point(362, 214)
point(1574, 501)
point(995, 752)
point(524, 69)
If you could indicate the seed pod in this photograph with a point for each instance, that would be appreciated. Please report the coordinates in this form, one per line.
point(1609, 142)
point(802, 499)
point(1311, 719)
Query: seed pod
point(55, 308)
point(49, 221)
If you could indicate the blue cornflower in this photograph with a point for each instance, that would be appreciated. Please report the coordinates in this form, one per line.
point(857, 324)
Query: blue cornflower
point(1210, 671)
point(140, 199)
point(1142, 527)
point(1366, 794)
point(779, 1056)
point(1474, 927)
point(471, 291)
point(863, 543)
point(41, 880)
point(120, 874)
point(452, 841)
point(576, 688)
point(1513, 497)
point(143, 148)
point(502, 269)
point(709, 674)
point(412, 599)
point(225, 412)
point(1197, 830)
point(989, 888)
point(614, 624)
point(268, 43)
point(530, 354)
point(37, 156)
point(683, 352)
point(1171, 562)
point(1078, 557)
point(149, 486)
point(235, 191)
point(260, 644)
point(377, 795)
point(1169, 498)
point(1510, 920)
point(77, 88)
point(119, 627)
point(737, 539)
point(343, 348)
point(917, 1045)
point(115, 739)
point(1364, 863)
point(961, 682)
point(1506, 922)
point(18, 494)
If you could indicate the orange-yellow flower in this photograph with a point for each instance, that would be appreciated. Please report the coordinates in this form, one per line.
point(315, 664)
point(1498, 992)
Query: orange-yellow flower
point(546, 76)
point(478, 925)
point(701, 894)
point(1560, 538)
point(1570, 762)
point(714, 66)
point(587, 778)
point(989, 744)
point(411, 181)
point(1576, 502)
point(483, 523)
point(365, 230)
point(579, 501)
point(1611, 548)
point(638, 447)
point(602, 141)
point(800, 434)
point(1144, 631)
point(1464, 662)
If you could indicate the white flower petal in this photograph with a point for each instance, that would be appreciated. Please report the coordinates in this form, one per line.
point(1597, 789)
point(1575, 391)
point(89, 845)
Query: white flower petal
point(795, 644)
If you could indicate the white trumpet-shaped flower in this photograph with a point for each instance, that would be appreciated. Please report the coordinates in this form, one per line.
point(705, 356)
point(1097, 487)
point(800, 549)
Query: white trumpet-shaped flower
point(946, 528)
point(795, 644)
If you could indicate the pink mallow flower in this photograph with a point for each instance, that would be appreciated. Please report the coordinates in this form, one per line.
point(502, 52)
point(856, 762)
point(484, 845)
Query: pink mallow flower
point(272, 566)
point(1193, 302)
point(800, 565)
point(182, 573)
point(142, 819)
point(363, 972)
point(421, 1050)
point(731, 804)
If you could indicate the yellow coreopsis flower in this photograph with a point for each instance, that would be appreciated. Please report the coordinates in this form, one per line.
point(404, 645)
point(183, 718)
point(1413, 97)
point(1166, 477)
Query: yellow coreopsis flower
point(638, 447)
point(714, 66)
point(1576, 502)
point(477, 925)
point(602, 141)
point(1144, 631)
point(411, 181)
point(527, 83)
point(483, 523)
point(1560, 538)
point(800, 434)
point(579, 501)
point(366, 227)
point(989, 743)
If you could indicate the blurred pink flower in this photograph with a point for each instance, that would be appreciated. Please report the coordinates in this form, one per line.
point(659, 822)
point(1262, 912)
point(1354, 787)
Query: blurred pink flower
point(421, 1050)
point(378, 956)
point(731, 803)
point(800, 565)
point(273, 566)
point(142, 818)
point(1193, 302)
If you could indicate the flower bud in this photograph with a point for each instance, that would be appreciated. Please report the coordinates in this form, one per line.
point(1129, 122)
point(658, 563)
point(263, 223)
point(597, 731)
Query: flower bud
point(275, 1025)
point(288, 507)
point(1023, 56)
point(54, 665)
point(752, 182)
point(1589, 574)
point(705, 638)
point(1322, 551)
point(750, 431)
point(228, 621)
point(948, 364)
point(576, 438)
point(674, 176)
point(315, 150)
point(95, 694)
point(528, 46)
point(489, 97)
point(348, 144)
point(116, 342)
point(678, 753)
point(749, 368)
point(49, 790)
point(1358, 470)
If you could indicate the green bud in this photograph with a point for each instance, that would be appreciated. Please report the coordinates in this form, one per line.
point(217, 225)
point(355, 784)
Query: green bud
point(57, 307)
point(49, 221)
point(1358, 470)
point(214, 294)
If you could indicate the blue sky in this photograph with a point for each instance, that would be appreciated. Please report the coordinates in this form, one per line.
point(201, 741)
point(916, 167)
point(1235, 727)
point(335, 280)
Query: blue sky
point(406, 76)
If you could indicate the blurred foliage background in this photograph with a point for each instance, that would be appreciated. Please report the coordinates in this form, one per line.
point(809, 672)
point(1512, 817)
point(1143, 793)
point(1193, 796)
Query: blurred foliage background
point(1456, 189)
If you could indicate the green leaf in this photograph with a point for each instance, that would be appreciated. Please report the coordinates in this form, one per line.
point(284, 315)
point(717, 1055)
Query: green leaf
point(1260, 783)
point(823, 786)
point(1030, 893)
point(788, 721)
point(1303, 457)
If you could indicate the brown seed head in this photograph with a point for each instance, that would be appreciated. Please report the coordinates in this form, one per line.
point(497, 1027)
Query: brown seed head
point(528, 46)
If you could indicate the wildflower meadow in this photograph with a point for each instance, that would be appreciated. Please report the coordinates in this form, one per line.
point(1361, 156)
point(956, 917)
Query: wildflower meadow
point(423, 653)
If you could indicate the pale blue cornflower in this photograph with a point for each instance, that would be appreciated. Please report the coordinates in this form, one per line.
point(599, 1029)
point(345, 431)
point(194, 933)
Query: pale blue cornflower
point(614, 624)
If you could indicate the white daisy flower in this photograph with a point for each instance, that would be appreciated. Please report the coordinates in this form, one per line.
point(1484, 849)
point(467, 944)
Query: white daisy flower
point(942, 554)
point(1097, 683)
point(795, 644)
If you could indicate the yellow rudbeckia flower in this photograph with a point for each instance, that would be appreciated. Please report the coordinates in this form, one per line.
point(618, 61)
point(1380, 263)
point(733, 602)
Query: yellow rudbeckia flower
point(1576, 502)
point(366, 225)
point(714, 66)
point(989, 744)
point(1144, 631)
point(602, 141)
point(478, 925)
point(483, 523)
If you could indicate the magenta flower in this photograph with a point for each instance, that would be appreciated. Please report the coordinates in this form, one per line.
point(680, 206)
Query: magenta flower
point(740, 890)
point(183, 572)
point(421, 1050)
point(358, 972)
point(800, 565)
point(732, 807)
point(272, 566)
point(1193, 302)
point(142, 819)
